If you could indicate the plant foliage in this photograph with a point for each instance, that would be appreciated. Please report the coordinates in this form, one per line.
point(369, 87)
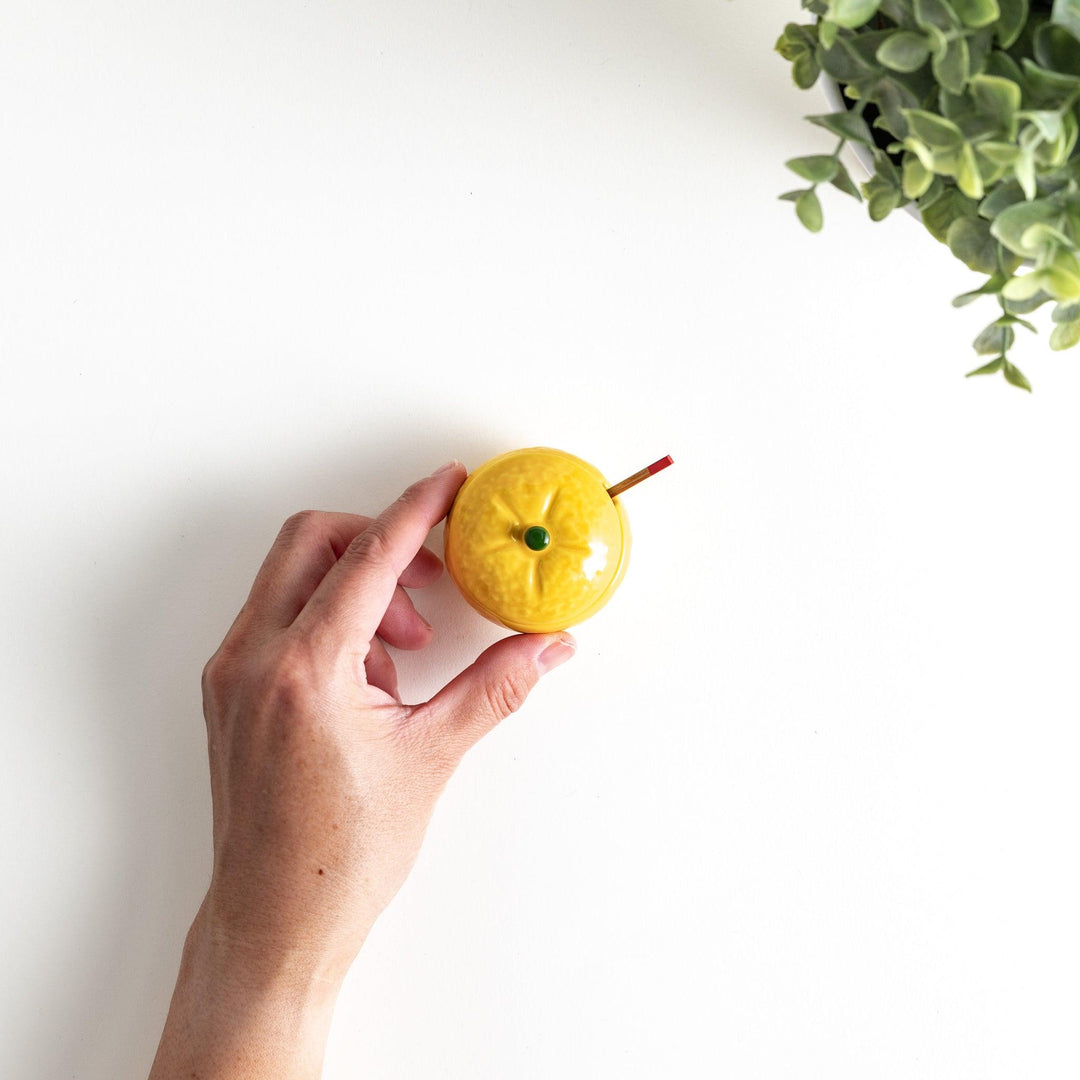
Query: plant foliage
point(970, 109)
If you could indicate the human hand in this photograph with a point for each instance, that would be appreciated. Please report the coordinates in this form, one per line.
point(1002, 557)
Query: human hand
point(323, 780)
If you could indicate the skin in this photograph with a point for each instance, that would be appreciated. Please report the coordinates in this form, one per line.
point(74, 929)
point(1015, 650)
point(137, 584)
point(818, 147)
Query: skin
point(323, 780)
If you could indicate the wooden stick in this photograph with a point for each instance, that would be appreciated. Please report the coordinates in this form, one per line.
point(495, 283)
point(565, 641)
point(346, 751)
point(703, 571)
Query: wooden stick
point(631, 481)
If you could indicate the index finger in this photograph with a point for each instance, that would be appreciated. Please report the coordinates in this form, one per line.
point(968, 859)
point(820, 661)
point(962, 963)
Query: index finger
point(351, 600)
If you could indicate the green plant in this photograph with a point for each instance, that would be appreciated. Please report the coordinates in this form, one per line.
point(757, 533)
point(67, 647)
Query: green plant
point(969, 108)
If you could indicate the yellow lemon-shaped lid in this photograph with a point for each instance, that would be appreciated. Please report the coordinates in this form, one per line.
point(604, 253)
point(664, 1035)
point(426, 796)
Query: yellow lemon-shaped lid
point(534, 542)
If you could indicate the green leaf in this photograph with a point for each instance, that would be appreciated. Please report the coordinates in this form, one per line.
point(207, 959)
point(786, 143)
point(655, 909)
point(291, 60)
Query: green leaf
point(937, 132)
point(1065, 336)
point(1005, 194)
point(843, 181)
point(955, 107)
point(899, 11)
point(935, 13)
point(865, 44)
point(1057, 49)
point(852, 13)
point(988, 369)
point(939, 42)
point(1012, 320)
point(817, 168)
point(884, 167)
point(976, 13)
point(968, 178)
point(1061, 282)
point(953, 69)
point(1025, 307)
point(989, 288)
point(1012, 20)
point(1041, 235)
point(1025, 287)
point(1024, 168)
point(805, 71)
point(998, 153)
point(1004, 67)
point(967, 298)
point(980, 46)
point(1066, 313)
point(970, 241)
point(939, 213)
point(1051, 156)
point(827, 33)
point(917, 177)
point(808, 209)
point(1015, 376)
point(949, 162)
point(1047, 122)
point(1011, 225)
point(882, 197)
point(847, 125)
point(998, 100)
point(995, 340)
point(892, 97)
point(921, 152)
point(796, 40)
point(904, 51)
point(844, 63)
point(791, 196)
point(1049, 86)
point(1066, 14)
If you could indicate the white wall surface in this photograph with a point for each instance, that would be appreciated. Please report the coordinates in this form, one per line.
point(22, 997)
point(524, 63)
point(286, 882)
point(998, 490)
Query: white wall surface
point(805, 803)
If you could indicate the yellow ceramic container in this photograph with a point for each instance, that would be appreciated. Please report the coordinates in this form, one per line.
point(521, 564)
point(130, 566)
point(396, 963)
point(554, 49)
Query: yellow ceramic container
point(534, 541)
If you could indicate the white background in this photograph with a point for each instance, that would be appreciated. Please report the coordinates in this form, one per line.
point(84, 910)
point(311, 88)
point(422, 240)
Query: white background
point(804, 805)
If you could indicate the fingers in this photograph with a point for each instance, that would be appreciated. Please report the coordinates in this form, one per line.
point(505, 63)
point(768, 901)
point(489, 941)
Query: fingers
point(352, 599)
point(380, 671)
point(492, 688)
point(307, 547)
point(402, 626)
point(425, 569)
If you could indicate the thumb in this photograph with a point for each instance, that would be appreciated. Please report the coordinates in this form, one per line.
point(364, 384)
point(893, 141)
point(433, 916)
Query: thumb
point(495, 686)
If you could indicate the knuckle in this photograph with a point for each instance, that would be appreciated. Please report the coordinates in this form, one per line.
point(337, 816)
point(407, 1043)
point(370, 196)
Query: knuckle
point(216, 674)
point(302, 523)
point(372, 545)
point(221, 675)
point(282, 679)
point(289, 677)
point(507, 695)
point(412, 494)
point(211, 680)
point(210, 672)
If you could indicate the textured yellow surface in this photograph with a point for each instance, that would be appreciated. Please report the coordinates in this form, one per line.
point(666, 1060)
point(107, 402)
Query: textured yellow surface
point(536, 591)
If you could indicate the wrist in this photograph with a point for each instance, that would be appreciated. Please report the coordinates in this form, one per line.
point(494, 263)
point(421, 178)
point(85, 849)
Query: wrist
point(242, 1010)
point(255, 964)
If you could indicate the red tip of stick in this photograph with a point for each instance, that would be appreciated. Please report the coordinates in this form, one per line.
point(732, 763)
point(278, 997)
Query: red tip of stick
point(663, 463)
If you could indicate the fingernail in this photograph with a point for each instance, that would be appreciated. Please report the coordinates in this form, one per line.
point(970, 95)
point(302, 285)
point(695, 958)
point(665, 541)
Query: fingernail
point(455, 464)
point(555, 654)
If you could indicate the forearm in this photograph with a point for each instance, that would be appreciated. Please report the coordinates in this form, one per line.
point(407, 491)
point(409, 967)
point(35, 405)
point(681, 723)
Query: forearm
point(237, 1016)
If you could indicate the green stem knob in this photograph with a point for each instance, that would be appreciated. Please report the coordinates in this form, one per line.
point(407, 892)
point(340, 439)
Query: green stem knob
point(537, 538)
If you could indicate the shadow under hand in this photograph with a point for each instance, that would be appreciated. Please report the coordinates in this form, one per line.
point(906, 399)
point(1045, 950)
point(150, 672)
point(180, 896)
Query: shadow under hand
point(172, 593)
